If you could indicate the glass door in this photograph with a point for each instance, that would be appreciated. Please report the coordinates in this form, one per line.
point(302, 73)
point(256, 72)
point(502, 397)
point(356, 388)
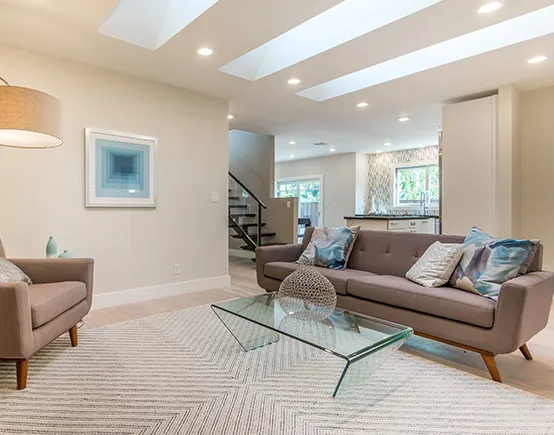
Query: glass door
point(308, 192)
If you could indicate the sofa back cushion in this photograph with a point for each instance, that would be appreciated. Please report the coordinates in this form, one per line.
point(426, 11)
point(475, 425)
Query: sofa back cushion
point(394, 253)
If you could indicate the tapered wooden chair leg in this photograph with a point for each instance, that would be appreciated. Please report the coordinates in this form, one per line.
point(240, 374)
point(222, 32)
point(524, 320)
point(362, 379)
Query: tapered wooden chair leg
point(526, 352)
point(22, 368)
point(490, 362)
point(73, 336)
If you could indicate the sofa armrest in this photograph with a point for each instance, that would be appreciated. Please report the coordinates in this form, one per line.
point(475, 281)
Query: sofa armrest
point(52, 270)
point(524, 304)
point(269, 254)
point(16, 330)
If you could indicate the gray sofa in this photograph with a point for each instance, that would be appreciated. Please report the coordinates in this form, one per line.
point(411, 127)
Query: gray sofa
point(374, 283)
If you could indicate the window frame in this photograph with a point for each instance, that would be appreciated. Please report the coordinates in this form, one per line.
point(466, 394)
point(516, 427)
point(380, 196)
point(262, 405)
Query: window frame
point(424, 163)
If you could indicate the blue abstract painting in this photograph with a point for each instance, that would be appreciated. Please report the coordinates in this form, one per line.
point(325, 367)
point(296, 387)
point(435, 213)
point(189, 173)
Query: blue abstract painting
point(123, 171)
point(120, 170)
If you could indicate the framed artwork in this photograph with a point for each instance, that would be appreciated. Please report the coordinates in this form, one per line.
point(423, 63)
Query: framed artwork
point(119, 169)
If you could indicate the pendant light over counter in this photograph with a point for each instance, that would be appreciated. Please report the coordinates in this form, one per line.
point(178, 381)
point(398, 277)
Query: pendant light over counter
point(29, 118)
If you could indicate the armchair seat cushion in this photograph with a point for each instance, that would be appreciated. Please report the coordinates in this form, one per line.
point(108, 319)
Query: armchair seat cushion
point(48, 301)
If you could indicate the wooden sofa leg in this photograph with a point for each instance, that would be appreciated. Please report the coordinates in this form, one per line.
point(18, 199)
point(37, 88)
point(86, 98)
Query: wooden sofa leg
point(73, 336)
point(526, 352)
point(22, 366)
point(490, 362)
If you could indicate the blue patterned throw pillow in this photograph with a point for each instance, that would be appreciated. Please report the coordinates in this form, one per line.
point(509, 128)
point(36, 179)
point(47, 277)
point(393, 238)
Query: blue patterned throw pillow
point(488, 262)
point(329, 247)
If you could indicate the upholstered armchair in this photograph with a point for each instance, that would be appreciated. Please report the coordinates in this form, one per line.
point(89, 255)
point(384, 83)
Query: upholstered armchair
point(31, 316)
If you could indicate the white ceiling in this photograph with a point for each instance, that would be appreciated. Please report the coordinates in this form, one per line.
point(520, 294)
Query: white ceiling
point(232, 28)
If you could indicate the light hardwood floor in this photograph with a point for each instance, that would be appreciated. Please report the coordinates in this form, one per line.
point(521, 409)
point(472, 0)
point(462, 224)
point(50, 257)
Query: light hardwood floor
point(535, 376)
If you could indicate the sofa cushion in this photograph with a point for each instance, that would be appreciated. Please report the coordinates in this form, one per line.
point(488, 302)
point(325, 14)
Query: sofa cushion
point(48, 301)
point(280, 270)
point(446, 302)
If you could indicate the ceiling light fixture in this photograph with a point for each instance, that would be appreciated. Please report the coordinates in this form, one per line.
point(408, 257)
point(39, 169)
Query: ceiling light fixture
point(230, 116)
point(537, 59)
point(205, 51)
point(387, 144)
point(362, 104)
point(293, 81)
point(332, 150)
point(379, 152)
point(29, 118)
point(504, 34)
point(489, 7)
point(404, 119)
point(292, 142)
point(291, 156)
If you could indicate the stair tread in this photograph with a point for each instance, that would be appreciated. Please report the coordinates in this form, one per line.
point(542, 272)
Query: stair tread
point(254, 236)
point(234, 197)
point(233, 215)
point(251, 248)
point(238, 206)
point(251, 225)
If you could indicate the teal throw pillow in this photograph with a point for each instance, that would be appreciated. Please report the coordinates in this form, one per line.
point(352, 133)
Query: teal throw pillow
point(488, 262)
point(329, 247)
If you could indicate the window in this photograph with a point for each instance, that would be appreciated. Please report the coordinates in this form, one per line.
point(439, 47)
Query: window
point(412, 182)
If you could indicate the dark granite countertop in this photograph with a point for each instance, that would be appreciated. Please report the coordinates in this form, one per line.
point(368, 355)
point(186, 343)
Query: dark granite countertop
point(385, 217)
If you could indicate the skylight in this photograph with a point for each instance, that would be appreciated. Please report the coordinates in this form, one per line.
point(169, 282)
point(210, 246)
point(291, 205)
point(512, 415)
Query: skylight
point(344, 22)
point(151, 23)
point(523, 28)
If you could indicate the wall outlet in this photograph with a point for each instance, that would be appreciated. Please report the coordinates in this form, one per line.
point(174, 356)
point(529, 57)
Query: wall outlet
point(176, 269)
point(215, 197)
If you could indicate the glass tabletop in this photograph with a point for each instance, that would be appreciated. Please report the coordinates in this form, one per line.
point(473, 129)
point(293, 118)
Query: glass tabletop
point(346, 334)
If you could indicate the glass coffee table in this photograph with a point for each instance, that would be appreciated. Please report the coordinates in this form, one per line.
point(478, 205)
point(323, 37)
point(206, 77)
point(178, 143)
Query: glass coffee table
point(363, 342)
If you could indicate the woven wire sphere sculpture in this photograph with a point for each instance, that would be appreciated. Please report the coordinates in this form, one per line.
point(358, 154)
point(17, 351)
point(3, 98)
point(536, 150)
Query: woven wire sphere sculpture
point(307, 294)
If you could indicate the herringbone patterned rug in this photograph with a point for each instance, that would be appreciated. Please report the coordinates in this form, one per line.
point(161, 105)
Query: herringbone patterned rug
point(183, 373)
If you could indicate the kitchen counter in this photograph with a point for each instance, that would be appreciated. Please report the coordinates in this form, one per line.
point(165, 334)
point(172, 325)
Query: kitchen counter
point(388, 217)
point(399, 223)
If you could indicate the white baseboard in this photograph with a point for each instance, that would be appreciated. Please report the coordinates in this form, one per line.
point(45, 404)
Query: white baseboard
point(241, 253)
point(106, 300)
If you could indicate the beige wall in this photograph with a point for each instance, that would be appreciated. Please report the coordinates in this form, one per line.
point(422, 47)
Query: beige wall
point(281, 217)
point(537, 174)
point(339, 183)
point(42, 191)
point(251, 160)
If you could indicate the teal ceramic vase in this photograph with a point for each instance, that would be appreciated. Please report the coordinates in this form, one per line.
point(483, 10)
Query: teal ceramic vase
point(66, 254)
point(51, 248)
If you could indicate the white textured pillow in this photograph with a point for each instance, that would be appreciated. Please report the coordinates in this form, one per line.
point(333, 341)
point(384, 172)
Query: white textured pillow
point(435, 267)
point(9, 272)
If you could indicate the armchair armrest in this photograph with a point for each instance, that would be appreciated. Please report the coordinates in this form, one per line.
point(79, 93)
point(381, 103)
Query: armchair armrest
point(51, 270)
point(16, 330)
point(524, 304)
point(269, 254)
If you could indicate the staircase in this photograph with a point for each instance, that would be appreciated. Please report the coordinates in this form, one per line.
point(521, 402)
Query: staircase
point(246, 217)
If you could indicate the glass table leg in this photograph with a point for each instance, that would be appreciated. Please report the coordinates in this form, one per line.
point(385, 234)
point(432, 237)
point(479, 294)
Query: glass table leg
point(248, 334)
point(357, 371)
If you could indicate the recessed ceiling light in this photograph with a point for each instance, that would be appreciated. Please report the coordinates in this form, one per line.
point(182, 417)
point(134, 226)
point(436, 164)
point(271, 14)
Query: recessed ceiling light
point(489, 7)
point(362, 104)
point(230, 116)
point(404, 119)
point(332, 150)
point(537, 59)
point(504, 34)
point(292, 142)
point(379, 152)
point(293, 81)
point(291, 156)
point(205, 51)
point(387, 144)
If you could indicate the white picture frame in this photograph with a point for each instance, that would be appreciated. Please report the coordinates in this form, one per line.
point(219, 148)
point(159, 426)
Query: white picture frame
point(120, 169)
